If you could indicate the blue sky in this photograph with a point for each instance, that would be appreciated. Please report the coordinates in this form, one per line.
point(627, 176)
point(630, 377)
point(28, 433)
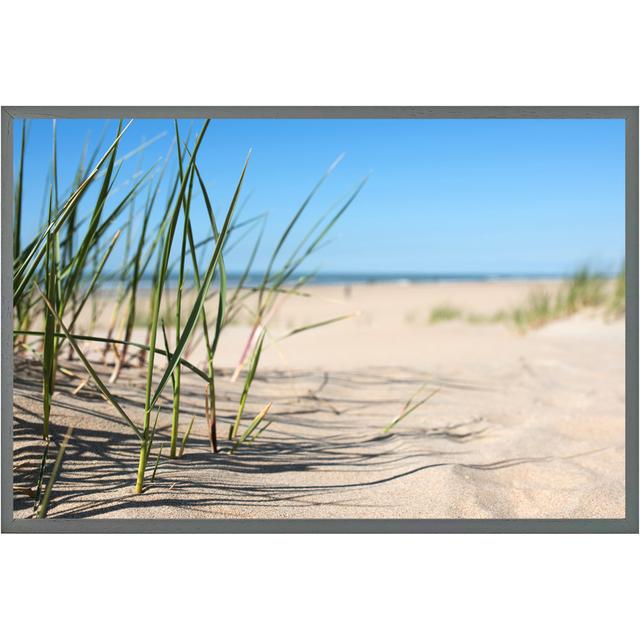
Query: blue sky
point(444, 196)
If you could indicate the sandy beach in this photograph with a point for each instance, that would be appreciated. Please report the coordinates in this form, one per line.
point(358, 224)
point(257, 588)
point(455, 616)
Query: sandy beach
point(523, 425)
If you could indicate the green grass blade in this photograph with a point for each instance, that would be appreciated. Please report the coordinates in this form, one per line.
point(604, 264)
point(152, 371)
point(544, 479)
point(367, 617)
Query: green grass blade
point(28, 266)
point(49, 352)
point(90, 235)
point(155, 466)
point(166, 346)
point(90, 370)
point(408, 403)
point(158, 287)
point(222, 292)
point(292, 264)
point(247, 269)
point(295, 219)
point(138, 345)
point(315, 325)
point(252, 426)
point(247, 385)
point(407, 412)
point(187, 433)
point(257, 434)
point(54, 164)
point(153, 430)
point(94, 279)
point(17, 219)
point(44, 505)
point(43, 465)
point(199, 302)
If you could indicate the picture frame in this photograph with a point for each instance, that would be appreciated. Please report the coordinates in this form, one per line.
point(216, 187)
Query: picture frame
point(629, 524)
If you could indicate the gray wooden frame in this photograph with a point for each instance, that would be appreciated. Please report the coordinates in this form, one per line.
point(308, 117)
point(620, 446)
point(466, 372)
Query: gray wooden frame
point(627, 525)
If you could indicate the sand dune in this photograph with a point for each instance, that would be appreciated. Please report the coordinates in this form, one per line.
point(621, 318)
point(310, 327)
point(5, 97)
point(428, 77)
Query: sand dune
point(523, 426)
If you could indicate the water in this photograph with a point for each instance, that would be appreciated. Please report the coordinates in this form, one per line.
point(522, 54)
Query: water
point(345, 278)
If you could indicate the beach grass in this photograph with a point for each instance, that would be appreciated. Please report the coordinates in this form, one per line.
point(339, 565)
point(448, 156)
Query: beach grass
point(67, 267)
point(409, 407)
point(617, 301)
point(444, 313)
point(585, 290)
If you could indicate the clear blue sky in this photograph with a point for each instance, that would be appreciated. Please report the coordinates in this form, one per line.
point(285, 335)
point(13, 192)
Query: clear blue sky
point(444, 196)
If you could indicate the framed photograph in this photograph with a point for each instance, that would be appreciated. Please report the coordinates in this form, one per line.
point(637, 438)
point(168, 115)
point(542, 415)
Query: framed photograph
point(356, 319)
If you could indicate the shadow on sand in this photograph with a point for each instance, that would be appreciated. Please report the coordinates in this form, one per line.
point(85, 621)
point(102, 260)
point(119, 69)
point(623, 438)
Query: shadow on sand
point(327, 428)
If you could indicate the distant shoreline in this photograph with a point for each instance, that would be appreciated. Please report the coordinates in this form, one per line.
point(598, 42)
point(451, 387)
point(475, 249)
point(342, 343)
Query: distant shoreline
point(377, 278)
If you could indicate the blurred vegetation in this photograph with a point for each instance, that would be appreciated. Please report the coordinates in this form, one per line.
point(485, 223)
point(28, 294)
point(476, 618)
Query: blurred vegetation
point(444, 313)
point(586, 289)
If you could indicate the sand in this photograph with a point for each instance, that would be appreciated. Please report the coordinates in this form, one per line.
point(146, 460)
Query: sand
point(522, 426)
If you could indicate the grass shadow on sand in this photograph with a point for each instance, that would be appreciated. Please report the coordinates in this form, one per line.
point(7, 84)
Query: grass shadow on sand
point(324, 444)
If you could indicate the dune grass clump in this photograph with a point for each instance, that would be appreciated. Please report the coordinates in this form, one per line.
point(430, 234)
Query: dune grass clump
point(48, 259)
point(444, 313)
point(62, 271)
point(539, 309)
point(616, 306)
point(493, 318)
point(585, 290)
